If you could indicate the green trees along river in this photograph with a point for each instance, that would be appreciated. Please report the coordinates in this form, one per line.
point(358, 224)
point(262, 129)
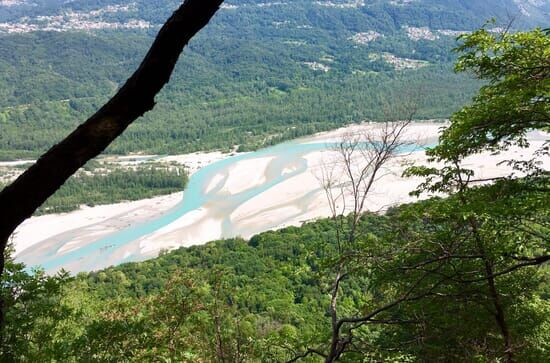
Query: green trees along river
point(462, 278)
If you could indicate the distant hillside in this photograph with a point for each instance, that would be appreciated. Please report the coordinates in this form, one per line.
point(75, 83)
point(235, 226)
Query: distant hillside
point(260, 73)
point(422, 12)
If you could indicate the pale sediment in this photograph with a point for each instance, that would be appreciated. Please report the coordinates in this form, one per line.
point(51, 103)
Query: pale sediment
point(241, 198)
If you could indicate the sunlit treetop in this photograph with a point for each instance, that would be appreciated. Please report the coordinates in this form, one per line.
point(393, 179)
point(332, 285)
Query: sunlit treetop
point(515, 100)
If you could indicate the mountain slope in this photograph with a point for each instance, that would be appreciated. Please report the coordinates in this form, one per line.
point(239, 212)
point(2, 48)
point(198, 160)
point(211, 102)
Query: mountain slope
point(260, 73)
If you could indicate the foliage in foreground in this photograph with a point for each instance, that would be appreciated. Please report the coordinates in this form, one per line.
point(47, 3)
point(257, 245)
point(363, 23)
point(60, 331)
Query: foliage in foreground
point(265, 300)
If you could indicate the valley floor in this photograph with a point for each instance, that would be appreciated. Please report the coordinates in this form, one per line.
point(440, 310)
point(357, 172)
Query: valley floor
point(227, 196)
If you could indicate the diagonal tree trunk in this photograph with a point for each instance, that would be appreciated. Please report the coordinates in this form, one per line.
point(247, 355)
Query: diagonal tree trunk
point(19, 200)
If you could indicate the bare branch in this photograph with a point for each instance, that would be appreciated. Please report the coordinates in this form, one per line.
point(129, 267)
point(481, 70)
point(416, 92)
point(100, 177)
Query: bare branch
point(537, 261)
point(308, 352)
point(359, 164)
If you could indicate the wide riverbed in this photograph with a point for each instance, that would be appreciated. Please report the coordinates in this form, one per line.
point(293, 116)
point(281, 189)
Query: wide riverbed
point(237, 196)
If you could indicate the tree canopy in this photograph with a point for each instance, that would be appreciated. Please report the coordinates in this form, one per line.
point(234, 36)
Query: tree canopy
point(459, 277)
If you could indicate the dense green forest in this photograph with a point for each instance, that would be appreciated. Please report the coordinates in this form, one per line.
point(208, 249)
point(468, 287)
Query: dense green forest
point(244, 81)
point(460, 278)
point(266, 300)
point(103, 182)
point(115, 185)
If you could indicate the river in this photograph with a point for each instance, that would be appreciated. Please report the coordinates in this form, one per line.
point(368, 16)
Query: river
point(219, 211)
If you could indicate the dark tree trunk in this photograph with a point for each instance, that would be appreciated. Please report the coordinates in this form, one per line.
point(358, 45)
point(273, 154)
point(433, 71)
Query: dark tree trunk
point(500, 316)
point(494, 294)
point(19, 200)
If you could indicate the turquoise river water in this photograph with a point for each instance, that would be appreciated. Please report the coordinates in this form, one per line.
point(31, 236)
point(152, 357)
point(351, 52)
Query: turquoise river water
point(106, 251)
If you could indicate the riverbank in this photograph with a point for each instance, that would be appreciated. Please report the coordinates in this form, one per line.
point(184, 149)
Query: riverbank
point(87, 224)
point(227, 196)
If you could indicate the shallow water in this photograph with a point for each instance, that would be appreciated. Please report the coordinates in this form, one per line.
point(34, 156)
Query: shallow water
point(204, 189)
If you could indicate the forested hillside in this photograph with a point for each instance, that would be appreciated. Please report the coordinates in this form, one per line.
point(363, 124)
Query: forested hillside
point(462, 276)
point(260, 73)
point(266, 301)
